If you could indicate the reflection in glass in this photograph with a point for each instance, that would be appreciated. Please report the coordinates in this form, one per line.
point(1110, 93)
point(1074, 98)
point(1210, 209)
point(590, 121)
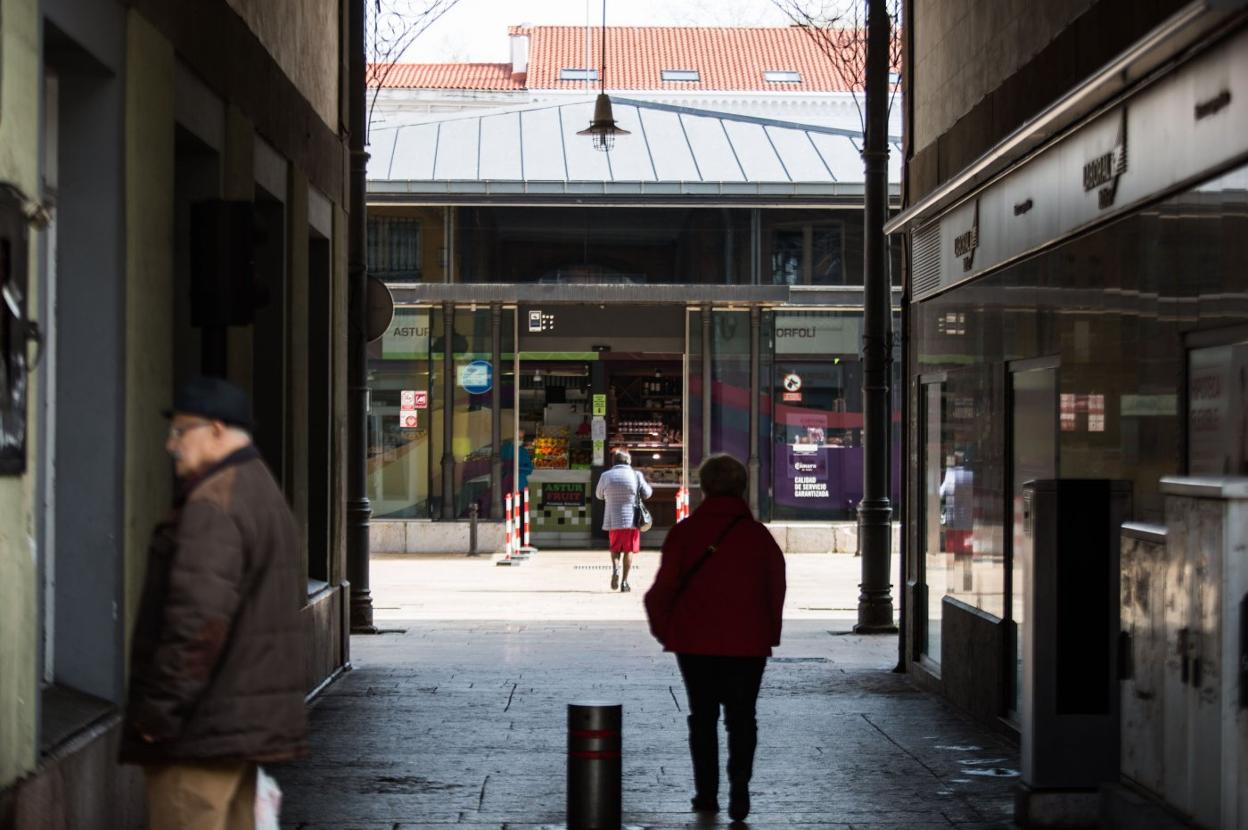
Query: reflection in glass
point(811, 253)
point(471, 445)
point(693, 402)
point(1217, 410)
point(399, 423)
point(730, 383)
point(636, 246)
point(934, 565)
point(1034, 442)
point(1113, 308)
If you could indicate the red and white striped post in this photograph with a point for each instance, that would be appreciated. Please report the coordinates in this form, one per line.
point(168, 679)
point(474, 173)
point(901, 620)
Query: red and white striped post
point(526, 518)
point(507, 547)
point(516, 539)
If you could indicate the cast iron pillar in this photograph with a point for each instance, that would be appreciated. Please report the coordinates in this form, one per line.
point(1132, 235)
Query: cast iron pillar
point(448, 412)
point(875, 602)
point(358, 508)
point(753, 466)
point(708, 379)
point(496, 411)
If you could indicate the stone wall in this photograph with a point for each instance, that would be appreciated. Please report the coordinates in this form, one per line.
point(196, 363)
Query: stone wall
point(302, 36)
point(979, 70)
point(964, 49)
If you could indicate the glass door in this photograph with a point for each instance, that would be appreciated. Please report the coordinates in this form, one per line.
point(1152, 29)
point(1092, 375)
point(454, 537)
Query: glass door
point(1033, 456)
point(933, 518)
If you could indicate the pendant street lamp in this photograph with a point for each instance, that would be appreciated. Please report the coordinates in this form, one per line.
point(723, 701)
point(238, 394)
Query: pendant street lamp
point(603, 127)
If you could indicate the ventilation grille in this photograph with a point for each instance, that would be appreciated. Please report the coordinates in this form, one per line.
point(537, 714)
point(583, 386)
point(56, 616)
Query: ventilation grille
point(925, 256)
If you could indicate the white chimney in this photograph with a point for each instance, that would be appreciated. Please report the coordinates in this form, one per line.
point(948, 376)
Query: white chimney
point(520, 54)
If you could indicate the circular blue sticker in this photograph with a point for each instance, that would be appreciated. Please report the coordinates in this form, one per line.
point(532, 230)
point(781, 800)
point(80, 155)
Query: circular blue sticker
point(477, 377)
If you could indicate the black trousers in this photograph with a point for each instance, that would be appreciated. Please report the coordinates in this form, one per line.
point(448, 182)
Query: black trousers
point(731, 682)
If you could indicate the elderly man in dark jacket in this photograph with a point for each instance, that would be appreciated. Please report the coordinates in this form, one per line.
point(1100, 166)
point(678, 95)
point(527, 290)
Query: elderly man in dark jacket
point(216, 663)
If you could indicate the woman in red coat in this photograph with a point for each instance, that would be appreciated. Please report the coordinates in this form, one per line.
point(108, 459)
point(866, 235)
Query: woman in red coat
point(717, 603)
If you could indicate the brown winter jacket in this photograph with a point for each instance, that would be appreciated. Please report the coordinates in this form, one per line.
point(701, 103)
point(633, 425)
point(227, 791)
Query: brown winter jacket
point(216, 663)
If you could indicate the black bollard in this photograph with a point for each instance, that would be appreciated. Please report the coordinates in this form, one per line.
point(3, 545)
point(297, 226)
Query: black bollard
point(594, 765)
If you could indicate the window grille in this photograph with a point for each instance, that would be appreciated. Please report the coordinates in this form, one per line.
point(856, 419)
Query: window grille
point(394, 248)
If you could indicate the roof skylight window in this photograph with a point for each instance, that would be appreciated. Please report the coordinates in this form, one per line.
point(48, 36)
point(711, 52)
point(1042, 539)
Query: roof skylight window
point(681, 75)
point(566, 74)
point(782, 76)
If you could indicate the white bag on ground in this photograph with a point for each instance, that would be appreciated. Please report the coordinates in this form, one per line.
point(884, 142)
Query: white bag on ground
point(268, 801)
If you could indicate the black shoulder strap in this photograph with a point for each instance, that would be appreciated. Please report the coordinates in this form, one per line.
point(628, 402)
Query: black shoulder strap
point(706, 554)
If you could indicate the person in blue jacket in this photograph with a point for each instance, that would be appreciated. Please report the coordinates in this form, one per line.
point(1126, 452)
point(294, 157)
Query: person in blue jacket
point(508, 456)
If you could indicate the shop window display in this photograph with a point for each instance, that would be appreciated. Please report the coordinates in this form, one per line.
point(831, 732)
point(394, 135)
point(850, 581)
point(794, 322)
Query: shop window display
point(816, 404)
point(476, 382)
point(644, 417)
point(401, 407)
point(555, 409)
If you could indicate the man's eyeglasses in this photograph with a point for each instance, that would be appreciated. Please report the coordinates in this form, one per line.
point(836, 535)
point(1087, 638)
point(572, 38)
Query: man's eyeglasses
point(177, 432)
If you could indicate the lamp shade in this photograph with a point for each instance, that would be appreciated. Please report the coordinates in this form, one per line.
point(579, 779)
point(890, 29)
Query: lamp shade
point(603, 127)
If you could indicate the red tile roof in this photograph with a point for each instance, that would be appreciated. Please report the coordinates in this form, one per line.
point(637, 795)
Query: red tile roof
point(727, 59)
point(480, 76)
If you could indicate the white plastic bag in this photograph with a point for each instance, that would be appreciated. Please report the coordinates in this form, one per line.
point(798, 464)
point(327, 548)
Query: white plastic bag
point(268, 801)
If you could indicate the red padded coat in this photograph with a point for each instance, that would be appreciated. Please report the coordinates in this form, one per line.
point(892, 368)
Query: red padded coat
point(733, 605)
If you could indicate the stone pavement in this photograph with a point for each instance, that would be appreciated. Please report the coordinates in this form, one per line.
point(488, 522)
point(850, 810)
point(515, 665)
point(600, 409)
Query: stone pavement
point(462, 722)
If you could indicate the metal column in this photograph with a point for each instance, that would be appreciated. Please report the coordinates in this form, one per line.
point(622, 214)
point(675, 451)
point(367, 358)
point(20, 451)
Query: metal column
point(358, 508)
point(752, 465)
point(496, 411)
point(875, 602)
point(448, 411)
point(756, 240)
point(706, 384)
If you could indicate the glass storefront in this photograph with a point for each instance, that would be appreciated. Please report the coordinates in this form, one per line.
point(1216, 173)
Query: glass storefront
point(1078, 363)
point(407, 409)
point(401, 406)
point(808, 432)
point(817, 447)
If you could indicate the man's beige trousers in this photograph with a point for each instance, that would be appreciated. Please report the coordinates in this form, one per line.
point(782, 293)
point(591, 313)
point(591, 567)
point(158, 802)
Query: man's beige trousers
point(219, 795)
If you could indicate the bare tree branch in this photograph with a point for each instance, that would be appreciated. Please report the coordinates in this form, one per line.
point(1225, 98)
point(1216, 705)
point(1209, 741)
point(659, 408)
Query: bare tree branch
point(838, 28)
point(392, 26)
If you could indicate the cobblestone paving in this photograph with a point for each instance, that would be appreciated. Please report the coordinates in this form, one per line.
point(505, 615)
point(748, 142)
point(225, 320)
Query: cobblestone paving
point(463, 723)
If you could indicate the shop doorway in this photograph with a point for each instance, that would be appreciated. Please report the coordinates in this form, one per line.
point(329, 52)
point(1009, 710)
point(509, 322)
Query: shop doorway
point(591, 381)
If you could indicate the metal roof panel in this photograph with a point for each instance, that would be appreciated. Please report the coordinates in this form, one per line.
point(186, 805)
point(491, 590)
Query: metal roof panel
point(755, 152)
point(666, 145)
point(457, 150)
point(717, 160)
point(543, 145)
point(502, 147)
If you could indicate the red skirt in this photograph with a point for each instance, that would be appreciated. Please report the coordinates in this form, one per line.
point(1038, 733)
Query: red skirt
point(625, 540)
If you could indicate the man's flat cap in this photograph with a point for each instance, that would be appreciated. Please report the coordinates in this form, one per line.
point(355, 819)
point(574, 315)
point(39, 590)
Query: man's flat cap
point(212, 398)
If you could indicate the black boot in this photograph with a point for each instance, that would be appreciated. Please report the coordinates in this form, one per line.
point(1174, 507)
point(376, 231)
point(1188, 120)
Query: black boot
point(704, 748)
point(739, 802)
point(742, 741)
